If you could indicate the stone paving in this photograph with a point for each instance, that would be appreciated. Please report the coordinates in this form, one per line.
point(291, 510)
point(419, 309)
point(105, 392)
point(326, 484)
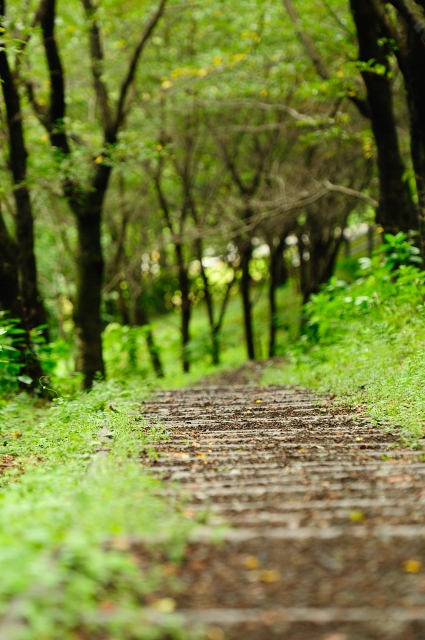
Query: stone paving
point(326, 515)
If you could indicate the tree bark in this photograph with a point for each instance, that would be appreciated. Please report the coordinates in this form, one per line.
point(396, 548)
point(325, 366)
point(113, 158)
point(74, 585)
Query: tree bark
point(246, 301)
point(276, 261)
point(32, 306)
point(411, 58)
point(141, 319)
point(88, 325)
point(396, 211)
point(184, 284)
point(214, 329)
point(10, 293)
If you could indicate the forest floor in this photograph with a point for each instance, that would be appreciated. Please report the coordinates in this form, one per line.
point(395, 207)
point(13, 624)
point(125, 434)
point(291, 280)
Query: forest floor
point(320, 514)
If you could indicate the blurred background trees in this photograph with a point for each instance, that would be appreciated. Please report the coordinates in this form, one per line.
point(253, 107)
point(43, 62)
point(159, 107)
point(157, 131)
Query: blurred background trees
point(177, 178)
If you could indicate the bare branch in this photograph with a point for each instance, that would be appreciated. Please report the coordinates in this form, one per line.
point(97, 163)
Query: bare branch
point(97, 61)
point(128, 80)
point(317, 60)
point(307, 42)
point(54, 119)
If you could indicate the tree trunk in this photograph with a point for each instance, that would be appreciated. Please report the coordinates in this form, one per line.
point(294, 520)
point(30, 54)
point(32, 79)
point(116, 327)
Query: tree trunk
point(246, 301)
point(276, 260)
point(396, 211)
point(10, 294)
point(412, 65)
point(186, 309)
point(32, 306)
point(88, 325)
point(142, 320)
point(214, 328)
point(11, 301)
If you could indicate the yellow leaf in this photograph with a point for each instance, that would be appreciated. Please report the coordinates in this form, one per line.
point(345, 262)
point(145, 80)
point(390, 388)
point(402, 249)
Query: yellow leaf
point(412, 566)
point(258, 401)
point(215, 633)
point(269, 575)
point(164, 605)
point(99, 160)
point(251, 562)
point(356, 516)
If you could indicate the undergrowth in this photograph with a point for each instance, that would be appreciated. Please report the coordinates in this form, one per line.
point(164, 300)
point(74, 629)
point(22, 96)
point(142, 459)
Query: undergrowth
point(67, 512)
point(365, 341)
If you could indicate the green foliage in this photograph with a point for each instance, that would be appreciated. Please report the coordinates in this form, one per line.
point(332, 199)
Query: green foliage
point(399, 250)
point(366, 340)
point(10, 366)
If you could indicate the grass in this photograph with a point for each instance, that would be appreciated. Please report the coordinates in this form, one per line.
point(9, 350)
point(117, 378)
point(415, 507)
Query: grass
point(66, 512)
point(365, 342)
point(233, 351)
point(65, 519)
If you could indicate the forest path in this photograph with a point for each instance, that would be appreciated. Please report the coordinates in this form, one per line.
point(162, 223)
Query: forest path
point(328, 515)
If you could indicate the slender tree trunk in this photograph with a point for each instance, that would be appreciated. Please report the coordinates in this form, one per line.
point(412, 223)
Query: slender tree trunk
point(142, 320)
point(185, 311)
point(246, 301)
point(396, 211)
point(32, 306)
point(214, 329)
point(276, 260)
point(123, 307)
point(370, 234)
point(10, 294)
point(20, 293)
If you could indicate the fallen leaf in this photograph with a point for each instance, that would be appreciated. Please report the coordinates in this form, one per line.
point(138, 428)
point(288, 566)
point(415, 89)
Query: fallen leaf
point(164, 605)
point(356, 516)
point(269, 575)
point(215, 633)
point(412, 566)
point(251, 562)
